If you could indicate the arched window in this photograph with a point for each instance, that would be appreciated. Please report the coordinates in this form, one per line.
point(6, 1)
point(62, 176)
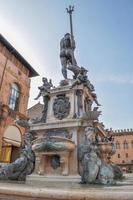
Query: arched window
point(14, 96)
point(125, 144)
point(117, 144)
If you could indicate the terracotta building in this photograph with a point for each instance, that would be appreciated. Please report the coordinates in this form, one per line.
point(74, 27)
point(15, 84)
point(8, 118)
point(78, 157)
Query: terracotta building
point(15, 74)
point(124, 149)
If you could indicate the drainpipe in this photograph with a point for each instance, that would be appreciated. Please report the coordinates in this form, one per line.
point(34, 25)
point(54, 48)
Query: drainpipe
point(2, 78)
point(3, 75)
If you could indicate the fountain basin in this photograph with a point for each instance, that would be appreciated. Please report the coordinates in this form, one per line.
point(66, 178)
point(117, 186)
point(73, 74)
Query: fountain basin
point(53, 143)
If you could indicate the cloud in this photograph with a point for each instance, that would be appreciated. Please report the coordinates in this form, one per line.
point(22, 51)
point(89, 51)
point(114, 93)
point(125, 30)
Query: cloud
point(112, 78)
point(19, 40)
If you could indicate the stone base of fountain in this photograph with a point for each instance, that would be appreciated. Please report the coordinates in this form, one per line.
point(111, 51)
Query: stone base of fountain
point(35, 190)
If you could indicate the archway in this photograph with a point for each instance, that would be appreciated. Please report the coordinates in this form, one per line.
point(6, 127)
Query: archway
point(11, 144)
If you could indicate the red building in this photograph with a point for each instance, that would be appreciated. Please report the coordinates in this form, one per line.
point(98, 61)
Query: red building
point(124, 149)
point(15, 74)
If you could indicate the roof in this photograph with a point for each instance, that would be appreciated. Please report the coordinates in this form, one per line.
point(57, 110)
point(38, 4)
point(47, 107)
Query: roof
point(35, 111)
point(35, 105)
point(32, 72)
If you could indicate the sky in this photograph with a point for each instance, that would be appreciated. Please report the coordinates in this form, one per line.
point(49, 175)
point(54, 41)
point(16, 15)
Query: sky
point(103, 31)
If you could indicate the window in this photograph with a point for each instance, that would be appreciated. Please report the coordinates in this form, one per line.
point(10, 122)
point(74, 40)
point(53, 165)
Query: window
point(119, 155)
point(125, 144)
point(117, 144)
point(14, 97)
point(126, 155)
point(132, 143)
point(123, 161)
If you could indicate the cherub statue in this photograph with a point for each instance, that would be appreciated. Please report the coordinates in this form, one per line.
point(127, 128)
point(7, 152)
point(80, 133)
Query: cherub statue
point(83, 78)
point(44, 89)
point(95, 98)
point(44, 92)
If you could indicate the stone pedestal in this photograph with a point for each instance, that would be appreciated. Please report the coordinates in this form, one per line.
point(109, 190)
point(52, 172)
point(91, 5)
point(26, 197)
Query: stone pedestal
point(43, 158)
point(65, 124)
point(58, 139)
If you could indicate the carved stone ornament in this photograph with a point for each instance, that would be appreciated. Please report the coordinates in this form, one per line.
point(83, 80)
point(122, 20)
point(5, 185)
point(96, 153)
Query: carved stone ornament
point(61, 107)
point(59, 133)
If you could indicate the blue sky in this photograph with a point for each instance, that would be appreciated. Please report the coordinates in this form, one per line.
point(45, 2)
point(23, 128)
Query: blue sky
point(103, 31)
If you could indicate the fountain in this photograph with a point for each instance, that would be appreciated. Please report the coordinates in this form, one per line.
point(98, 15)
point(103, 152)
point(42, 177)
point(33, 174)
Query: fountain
point(67, 144)
point(69, 134)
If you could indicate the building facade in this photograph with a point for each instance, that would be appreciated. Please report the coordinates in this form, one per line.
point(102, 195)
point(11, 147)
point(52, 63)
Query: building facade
point(124, 149)
point(35, 111)
point(15, 74)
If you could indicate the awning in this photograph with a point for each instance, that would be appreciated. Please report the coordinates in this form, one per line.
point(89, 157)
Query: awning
point(12, 135)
